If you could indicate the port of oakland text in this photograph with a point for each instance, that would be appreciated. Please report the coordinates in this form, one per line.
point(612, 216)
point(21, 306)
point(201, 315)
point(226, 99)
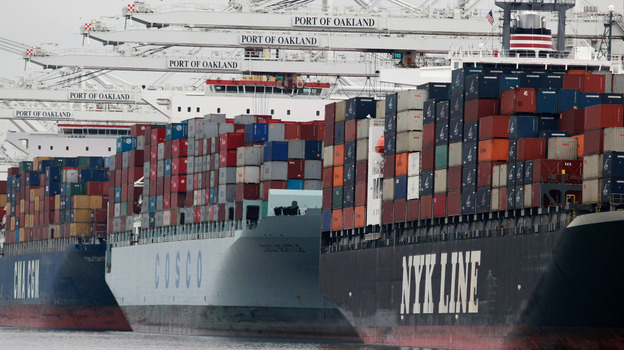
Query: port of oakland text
point(100, 96)
point(278, 40)
point(459, 297)
point(335, 22)
point(26, 279)
point(201, 64)
point(43, 114)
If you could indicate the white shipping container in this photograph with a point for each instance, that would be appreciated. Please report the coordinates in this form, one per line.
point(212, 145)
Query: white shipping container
point(274, 171)
point(211, 130)
point(592, 166)
point(388, 190)
point(227, 175)
point(248, 155)
point(380, 110)
point(455, 154)
point(411, 99)
point(361, 150)
point(362, 126)
point(592, 190)
point(528, 195)
point(161, 151)
point(248, 175)
point(296, 149)
point(140, 145)
point(328, 156)
point(341, 110)
point(312, 185)
point(410, 141)
point(411, 120)
point(496, 176)
point(613, 140)
point(495, 194)
point(197, 197)
point(71, 175)
point(167, 218)
point(413, 164)
point(276, 132)
point(312, 170)
point(562, 148)
point(413, 187)
point(440, 181)
point(215, 118)
point(117, 210)
point(225, 128)
point(502, 175)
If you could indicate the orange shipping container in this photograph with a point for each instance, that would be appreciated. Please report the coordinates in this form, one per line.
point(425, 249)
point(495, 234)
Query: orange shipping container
point(493, 150)
point(81, 215)
point(401, 161)
point(339, 154)
point(579, 145)
point(336, 219)
point(338, 176)
point(79, 229)
point(360, 216)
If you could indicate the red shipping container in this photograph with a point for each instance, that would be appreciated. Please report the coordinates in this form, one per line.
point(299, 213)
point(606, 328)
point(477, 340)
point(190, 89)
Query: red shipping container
point(178, 199)
point(135, 174)
point(427, 162)
point(389, 163)
point(227, 158)
point(454, 203)
point(178, 183)
point(153, 155)
point(295, 168)
point(97, 188)
point(479, 108)
point(530, 148)
point(167, 149)
point(400, 207)
point(336, 219)
point(153, 171)
point(348, 217)
point(124, 193)
point(231, 140)
point(179, 166)
point(328, 136)
point(327, 198)
point(350, 130)
point(387, 213)
point(413, 210)
point(309, 132)
point(328, 177)
point(552, 170)
point(166, 201)
point(572, 121)
point(221, 212)
point(426, 207)
point(135, 158)
point(502, 198)
point(147, 154)
point(179, 148)
point(603, 116)
point(593, 142)
point(158, 135)
point(454, 179)
point(167, 185)
point(361, 171)
point(292, 131)
point(439, 205)
point(584, 82)
point(518, 100)
point(330, 113)
point(360, 194)
point(267, 185)
point(428, 135)
point(247, 191)
point(320, 132)
point(339, 154)
point(494, 126)
point(484, 173)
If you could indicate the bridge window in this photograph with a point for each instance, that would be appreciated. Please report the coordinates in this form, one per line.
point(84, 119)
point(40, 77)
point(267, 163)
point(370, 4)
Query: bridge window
point(197, 109)
point(247, 111)
point(288, 112)
point(188, 109)
point(87, 148)
point(218, 110)
point(67, 148)
point(109, 149)
point(51, 148)
point(179, 109)
point(39, 147)
point(318, 113)
point(272, 112)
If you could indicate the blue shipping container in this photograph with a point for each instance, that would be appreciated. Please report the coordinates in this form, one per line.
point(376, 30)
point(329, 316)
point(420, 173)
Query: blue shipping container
point(511, 174)
point(389, 144)
point(276, 151)
point(339, 132)
point(511, 197)
point(481, 86)
point(360, 108)
point(391, 104)
point(532, 80)
point(88, 175)
point(348, 196)
point(611, 99)
point(528, 172)
point(429, 112)
point(519, 173)
point(442, 134)
point(176, 131)
point(440, 91)
point(458, 77)
point(53, 174)
point(547, 101)
point(512, 150)
point(314, 149)
point(522, 126)
point(152, 204)
point(613, 164)
point(125, 144)
point(553, 81)
point(442, 111)
point(295, 184)
point(547, 123)
point(53, 188)
point(326, 220)
point(456, 130)
point(118, 194)
point(349, 174)
point(589, 99)
point(568, 100)
point(469, 154)
point(390, 124)
point(167, 167)
point(457, 105)
point(484, 199)
point(426, 183)
point(468, 205)
point(471, 132)
point(519, 202)
point(33, 178)
point(98, 162)
point(507, 82)
point(349, 153)
point(612, 189)
point(256, 132)
point(469, 178)
point(400, 187)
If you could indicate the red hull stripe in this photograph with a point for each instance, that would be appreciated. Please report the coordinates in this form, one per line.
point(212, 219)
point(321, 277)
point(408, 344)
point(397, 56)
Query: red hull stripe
point(494, 337)
point(521, 46)
point(64, 317)
point(530, 37)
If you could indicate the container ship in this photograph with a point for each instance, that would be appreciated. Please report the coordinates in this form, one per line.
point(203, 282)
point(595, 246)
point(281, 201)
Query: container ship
point(484, 213)
point(213, 229)
point(52, 263)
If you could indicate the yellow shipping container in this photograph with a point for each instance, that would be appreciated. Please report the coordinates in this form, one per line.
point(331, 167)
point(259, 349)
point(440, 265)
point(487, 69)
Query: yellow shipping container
point(21, 235)
point(31, 194)
point(95, 202)
point(30, 220)
point(8, 208)
point(57, 201)
point(3, 200)
point(55, 231)
point(13, 224)
point(86, 202)
point(81, 215)
point(37, 205)
point(22, 206)
point(79, 229)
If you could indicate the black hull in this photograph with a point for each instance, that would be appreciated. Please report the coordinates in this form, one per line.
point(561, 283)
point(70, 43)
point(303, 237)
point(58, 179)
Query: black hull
point(558, 289)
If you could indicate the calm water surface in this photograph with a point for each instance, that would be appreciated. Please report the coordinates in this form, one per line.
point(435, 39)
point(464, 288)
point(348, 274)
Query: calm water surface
point(11, 338)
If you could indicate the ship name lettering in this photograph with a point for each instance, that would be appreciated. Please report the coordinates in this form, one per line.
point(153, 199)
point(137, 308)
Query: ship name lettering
point(26, 279)
point(164, 270)
point(457, 294)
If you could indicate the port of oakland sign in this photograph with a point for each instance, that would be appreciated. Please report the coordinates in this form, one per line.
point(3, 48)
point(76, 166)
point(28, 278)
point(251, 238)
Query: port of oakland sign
point(201, 64)
point(334, 22)
point(278, 40)
point(101, 96)
point(24, 114)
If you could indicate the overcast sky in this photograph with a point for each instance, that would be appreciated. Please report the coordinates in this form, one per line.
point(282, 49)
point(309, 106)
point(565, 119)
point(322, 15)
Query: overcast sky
point(47, 23)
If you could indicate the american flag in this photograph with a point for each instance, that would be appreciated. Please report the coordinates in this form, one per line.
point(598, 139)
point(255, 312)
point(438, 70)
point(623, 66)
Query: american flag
point(490, 17)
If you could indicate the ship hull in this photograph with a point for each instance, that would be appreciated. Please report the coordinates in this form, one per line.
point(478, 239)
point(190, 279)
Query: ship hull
point(261, 282)
point(62, 289)
point(539, 290)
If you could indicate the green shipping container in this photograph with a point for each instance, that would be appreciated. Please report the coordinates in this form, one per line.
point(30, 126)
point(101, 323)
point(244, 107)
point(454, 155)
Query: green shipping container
point(265, 209)
point(25, 166)
point(76, 188)
point(441, 157)
point(337, 198)
point(84, 162)
point(58, 162)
